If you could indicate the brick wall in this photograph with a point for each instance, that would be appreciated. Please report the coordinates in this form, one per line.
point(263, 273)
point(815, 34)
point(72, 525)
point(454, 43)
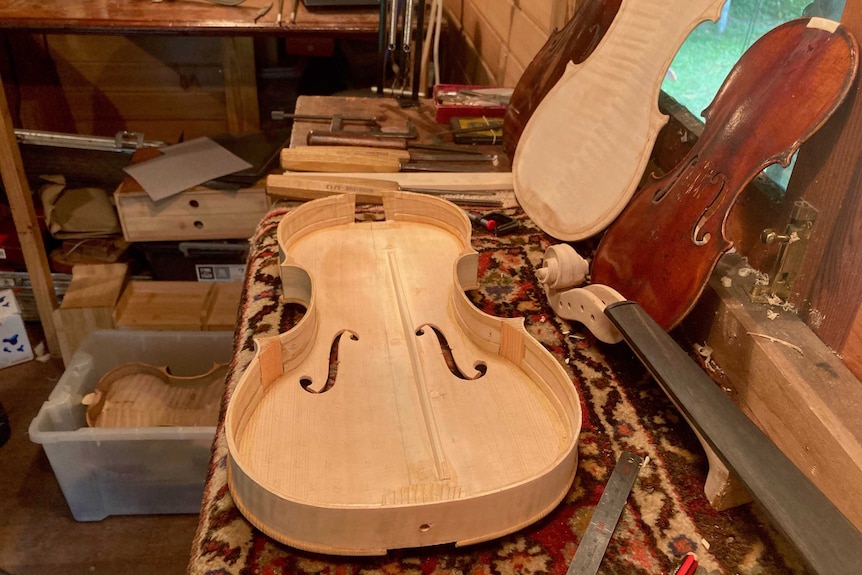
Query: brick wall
point(492, 41)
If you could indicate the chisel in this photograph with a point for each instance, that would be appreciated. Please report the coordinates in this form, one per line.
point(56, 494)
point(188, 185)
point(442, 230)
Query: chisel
point(298, 188)
point(449, 181)
point(366, 159)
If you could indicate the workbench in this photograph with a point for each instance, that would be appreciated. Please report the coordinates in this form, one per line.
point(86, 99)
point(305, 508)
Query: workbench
point(237, 26)
point(667, 514)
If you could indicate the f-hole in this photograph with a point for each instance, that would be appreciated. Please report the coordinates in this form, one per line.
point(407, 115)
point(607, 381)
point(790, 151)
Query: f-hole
point(306, 382)
point(480, 366)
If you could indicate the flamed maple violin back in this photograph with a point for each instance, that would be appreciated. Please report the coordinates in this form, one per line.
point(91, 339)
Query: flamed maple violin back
point(585, 148)
point(662, 249)
point(573, 43)
point(395, 414)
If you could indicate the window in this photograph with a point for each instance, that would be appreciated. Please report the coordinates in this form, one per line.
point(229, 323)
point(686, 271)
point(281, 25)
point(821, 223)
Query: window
point(706, 57)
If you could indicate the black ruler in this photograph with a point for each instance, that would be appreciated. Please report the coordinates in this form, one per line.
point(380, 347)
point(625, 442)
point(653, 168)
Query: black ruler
point(592, 547)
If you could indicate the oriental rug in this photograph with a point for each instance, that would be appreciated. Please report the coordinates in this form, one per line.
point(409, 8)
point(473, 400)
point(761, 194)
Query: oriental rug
point(666, 515)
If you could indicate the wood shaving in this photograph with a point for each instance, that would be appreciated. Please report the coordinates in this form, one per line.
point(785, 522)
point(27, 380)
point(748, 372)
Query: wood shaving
point(705, 352)
point(777, 340)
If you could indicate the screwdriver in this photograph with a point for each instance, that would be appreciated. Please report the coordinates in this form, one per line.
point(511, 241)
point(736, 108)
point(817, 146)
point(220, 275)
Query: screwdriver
point(494, 222)
point(485, 223)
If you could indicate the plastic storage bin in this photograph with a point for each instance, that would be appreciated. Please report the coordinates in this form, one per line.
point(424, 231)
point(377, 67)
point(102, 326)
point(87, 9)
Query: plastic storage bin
point(128, 471)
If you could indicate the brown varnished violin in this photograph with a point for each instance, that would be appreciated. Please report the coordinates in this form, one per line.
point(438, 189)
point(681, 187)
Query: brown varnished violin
point(573, 43)
point(395, 413)
point(662, 248)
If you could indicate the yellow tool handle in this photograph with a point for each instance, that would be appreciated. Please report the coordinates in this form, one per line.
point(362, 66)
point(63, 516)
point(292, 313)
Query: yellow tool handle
point(342, 159)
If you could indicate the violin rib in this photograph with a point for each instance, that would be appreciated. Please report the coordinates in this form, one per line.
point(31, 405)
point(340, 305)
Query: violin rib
point(442, 424)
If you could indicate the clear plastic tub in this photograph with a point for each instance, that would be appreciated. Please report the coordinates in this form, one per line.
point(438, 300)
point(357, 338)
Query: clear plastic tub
point(128, 471)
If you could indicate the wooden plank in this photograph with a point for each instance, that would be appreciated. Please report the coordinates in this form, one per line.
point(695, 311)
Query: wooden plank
point(88, 304)
point(852, 349)
point(178, 306)
point(828, 174)
point(171, 131)
point(24, 216)
point(240, 84)
point(41, 102)
point(790, 384)
point(192, 215)
point(150, 50)
point(141, 77)
point(223, 306)
point(168, 306)
point(95, 104)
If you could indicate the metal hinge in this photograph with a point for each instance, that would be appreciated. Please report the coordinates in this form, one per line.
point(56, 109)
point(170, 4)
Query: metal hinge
point(792, 243)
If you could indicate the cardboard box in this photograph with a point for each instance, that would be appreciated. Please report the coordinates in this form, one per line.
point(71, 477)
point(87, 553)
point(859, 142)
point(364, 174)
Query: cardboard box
point(14, 342)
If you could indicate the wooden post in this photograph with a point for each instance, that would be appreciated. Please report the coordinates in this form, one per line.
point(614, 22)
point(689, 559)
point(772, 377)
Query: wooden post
point(828, 174)
point(24, 216)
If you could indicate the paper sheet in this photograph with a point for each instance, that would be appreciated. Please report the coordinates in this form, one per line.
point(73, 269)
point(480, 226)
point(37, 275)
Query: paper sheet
point(184, 166)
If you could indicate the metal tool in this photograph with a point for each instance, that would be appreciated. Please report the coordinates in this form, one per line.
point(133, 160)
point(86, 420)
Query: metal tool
point(396, 40)
point(262, 12)
point(494, 222)
point(377, 137)
point(336, 120)
point(595, 540)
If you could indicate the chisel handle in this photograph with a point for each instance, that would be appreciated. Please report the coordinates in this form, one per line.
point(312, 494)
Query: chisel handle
point(342, 159)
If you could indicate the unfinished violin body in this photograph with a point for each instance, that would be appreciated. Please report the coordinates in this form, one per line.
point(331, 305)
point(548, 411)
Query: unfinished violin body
point(662, 249)
point(142, 395)
point(585, 148)
point(395, 413)
point(573, 43)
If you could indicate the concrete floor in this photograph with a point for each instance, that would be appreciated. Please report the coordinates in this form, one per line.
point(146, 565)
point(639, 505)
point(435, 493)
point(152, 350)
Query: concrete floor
point(37, 532)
